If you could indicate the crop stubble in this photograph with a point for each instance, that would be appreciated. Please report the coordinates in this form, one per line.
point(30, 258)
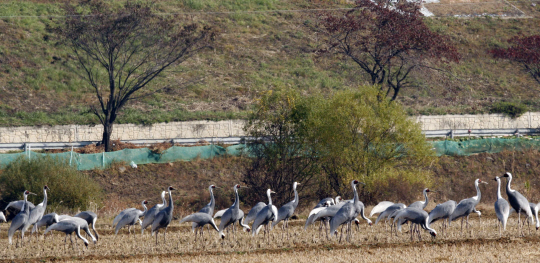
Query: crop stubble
point(373, 244)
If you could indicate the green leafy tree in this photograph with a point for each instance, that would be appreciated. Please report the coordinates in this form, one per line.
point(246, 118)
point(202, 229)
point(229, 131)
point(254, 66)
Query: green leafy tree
point(361, 134)
point(279, 151)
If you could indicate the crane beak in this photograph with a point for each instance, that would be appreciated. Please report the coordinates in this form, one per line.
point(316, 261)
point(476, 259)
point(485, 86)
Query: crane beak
point(30, 193)
point(484, 182)
point(272, 192)
point(362, 183)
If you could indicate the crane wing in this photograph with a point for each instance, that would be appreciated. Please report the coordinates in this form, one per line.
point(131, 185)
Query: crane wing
point(380, 207)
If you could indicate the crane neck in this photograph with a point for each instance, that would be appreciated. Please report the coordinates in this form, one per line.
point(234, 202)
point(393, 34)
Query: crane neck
point(78, 231)
point(171, 205)
point(478, 194)
point(355, 200)
point(236, 198)
point(163, 198)
point(425, 199)
point(25, 206)
point(499, 188)
point(212, 199)
point(295, 201)
point(508, 189)
point(269, 198)
point(44, 197)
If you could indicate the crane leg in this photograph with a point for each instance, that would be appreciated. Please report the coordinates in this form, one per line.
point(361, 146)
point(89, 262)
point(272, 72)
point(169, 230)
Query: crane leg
point(462, 225)
point(519, 222)
point(165, 236)
point(341, 234)
point(157, 231)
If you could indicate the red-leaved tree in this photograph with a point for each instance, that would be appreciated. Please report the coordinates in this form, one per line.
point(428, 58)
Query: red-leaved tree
point(386, 40)
point(523, 50)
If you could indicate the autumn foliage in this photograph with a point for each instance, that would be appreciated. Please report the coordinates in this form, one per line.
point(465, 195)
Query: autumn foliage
point(524, 51)
point(386, 40)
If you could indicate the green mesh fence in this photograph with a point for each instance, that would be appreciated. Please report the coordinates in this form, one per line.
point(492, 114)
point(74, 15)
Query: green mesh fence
point(176, 153)
point(489, 145)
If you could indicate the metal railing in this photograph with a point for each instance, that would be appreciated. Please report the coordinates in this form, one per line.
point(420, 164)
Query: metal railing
point(236, 140)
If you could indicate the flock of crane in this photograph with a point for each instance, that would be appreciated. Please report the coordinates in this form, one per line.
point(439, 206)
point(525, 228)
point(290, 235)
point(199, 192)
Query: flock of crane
point(331, 213)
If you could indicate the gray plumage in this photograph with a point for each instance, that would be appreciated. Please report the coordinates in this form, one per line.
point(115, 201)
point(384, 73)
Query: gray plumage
point(287, 210)
point(220, 213)
point(68, 227)
point(90, 218)
point(208, 208)
point(517, 200)
point(120, 215)
point(466, 206)
point(324, 213)
point(421, 204)
point(502, 208)
point(37, 212)
point(380, 207)
point(83, 224)
point(20, 222)
point(199, 220)
point(45, 221)
point(253, 212)
point(130, 218)
point(323, 202)
point(390, 211)
point(415, 216)
point(442, 211)
point(534, 209)
point(348, 212)
point(152, 212)
point(164, 217)
point(17, 205)
point(233, 214)
point(266, 215)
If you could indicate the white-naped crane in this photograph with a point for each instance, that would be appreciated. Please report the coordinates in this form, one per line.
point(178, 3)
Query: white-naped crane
point(91, 219)
point(152, 212)
point(286, 211)
point(45, 221)
point(38, 211)
point(442, 212)
point(466, 206)
point(380, 207)
point(417, 217)
point(422, 204)
point(268, 214)
point(18, 205)
point(348, 213)
point(325, 202)
point(199, 220)
point(389, 211)
point(502, 208)
point(20, 222)
point(164, 217)
point(208, 208)
point(518, 202)
point(252, 213)
point(130, 218)
point(233, 214)
point(68, 226)
point(314, 212)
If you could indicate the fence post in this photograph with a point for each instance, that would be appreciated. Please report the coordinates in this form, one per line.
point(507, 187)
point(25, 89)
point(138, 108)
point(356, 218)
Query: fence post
point(103, 160)
point(71, 157)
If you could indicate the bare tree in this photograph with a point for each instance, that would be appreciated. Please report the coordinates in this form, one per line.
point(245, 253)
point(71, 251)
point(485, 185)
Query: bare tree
point(386, 40)
point(122, 49)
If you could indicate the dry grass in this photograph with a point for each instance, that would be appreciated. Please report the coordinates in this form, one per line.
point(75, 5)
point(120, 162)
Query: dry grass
point(473, 8)
point(481, 243)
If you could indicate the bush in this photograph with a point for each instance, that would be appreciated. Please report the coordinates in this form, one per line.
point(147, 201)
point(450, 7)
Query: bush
point(511, 109)
point(69, 187)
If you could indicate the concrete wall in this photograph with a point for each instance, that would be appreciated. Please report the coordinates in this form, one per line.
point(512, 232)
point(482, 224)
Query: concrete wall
point(233, 128)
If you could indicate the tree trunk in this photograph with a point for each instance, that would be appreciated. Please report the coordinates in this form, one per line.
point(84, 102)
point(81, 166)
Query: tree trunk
point(107, 132)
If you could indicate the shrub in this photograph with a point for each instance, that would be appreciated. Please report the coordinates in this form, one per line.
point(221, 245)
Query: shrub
point(69, 187)
point(511, 109)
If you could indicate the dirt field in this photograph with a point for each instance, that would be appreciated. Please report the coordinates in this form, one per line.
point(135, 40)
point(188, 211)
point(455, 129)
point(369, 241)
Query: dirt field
point(369, 244)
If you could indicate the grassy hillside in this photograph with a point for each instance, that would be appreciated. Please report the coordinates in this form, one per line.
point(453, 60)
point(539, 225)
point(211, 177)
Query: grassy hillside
point(254, 52)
